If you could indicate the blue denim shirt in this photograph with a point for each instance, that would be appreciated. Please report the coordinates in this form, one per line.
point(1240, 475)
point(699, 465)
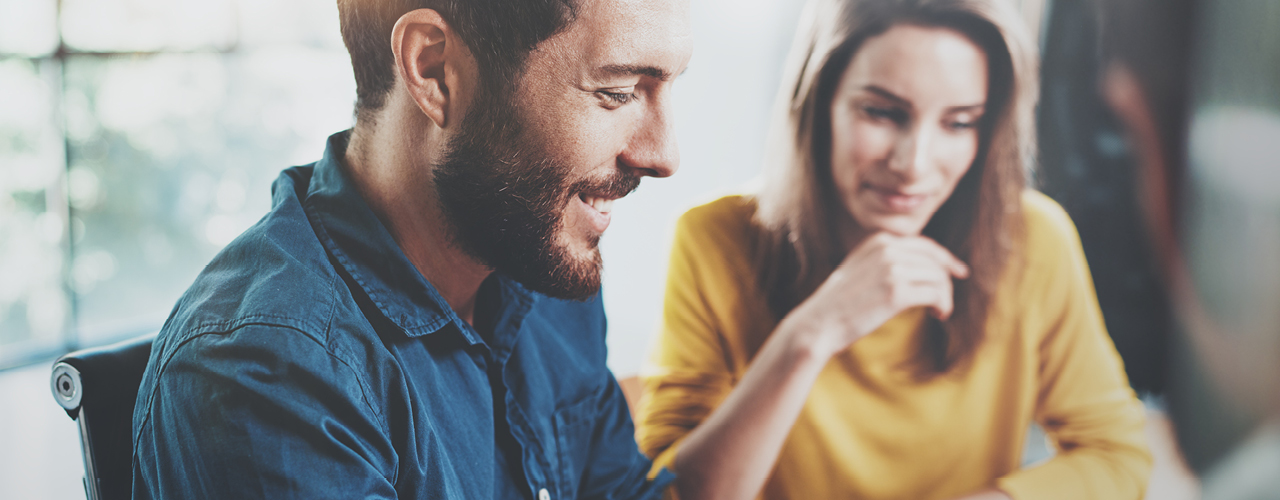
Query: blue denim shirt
point(311, 360)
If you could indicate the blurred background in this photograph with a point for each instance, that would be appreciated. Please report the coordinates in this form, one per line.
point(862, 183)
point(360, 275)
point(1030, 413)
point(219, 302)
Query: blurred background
point(137, 137)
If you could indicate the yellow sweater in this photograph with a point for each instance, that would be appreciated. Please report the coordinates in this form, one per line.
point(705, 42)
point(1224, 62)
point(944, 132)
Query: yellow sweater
point(868, 429)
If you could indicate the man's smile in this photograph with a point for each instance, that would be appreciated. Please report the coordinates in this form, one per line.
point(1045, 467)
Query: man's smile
point(597, 208)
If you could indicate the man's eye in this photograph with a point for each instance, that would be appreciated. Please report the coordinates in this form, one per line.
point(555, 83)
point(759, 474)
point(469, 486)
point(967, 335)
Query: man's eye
point(617, 98)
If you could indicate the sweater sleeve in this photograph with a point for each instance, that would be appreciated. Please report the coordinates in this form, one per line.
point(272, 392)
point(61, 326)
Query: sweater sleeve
point(1084, 402)
point(692, 364)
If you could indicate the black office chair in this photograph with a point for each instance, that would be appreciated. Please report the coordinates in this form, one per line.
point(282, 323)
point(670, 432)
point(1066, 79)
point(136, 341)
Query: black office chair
point(98, 387)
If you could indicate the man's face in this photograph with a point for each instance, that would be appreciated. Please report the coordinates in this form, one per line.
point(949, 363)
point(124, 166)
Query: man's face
point(529, 180)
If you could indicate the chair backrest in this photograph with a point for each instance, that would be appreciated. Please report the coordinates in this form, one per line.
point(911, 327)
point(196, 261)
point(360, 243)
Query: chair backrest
point(98, 388)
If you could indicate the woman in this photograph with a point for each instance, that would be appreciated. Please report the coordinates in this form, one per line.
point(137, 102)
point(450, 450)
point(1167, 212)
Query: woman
point(889, 313)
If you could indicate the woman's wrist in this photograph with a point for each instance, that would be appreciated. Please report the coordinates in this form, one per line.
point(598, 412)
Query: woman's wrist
point(806, 341)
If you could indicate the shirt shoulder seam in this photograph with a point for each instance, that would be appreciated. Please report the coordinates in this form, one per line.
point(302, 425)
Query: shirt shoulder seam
point(205, 329)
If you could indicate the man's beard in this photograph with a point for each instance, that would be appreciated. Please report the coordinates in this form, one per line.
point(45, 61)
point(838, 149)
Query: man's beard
point(505, 199)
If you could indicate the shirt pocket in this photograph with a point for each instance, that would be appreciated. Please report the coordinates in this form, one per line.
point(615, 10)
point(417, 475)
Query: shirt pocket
point(574, 436)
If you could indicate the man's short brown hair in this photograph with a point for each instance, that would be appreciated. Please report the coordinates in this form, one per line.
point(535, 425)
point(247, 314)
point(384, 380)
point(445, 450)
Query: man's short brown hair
point(499, 34)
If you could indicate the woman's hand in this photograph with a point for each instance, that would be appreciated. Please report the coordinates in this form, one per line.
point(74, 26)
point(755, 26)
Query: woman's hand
point(729, 455)
point(881, 277)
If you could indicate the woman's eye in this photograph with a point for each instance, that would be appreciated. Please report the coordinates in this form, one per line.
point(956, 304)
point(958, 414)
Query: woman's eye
point(962, 125)
point(891, 114)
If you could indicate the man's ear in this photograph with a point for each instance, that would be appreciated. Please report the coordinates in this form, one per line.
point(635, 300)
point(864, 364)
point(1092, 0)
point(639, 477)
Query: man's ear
point(428, 58)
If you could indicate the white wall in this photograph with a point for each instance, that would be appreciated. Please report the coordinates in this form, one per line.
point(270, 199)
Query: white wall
point(722, 110)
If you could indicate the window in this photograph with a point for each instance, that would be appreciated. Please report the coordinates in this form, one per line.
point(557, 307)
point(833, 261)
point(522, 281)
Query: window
point(137, 138)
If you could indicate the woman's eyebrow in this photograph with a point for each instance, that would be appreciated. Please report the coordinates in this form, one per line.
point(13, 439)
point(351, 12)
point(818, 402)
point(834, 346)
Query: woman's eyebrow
point(901, 101)
point(882, 92)
point(972, 108)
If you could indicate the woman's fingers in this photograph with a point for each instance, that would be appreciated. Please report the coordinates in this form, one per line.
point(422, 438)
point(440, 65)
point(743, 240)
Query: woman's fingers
point(879, 279)
point(945, 303)
point(938, 299)
point(890, 250)
point(922, 272)
point(924, 246)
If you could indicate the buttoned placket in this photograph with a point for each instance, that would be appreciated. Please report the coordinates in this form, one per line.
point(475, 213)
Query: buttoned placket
point(493, 363)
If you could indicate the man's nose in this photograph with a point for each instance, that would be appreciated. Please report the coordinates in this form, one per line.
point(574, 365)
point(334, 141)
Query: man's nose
point(653, 150)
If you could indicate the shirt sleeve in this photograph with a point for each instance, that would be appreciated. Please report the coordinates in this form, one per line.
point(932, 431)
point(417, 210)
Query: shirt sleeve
point(1085, 403)
point(259, 412)
point(691, 366)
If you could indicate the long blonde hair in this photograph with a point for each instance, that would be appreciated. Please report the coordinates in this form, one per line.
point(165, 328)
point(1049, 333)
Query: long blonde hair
point(798, 199)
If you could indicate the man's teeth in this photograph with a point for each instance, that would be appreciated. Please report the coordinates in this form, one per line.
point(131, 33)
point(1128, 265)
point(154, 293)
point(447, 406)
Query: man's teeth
point(601, 205)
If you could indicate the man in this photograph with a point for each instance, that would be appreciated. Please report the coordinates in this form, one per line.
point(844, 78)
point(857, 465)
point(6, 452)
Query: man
point(1209, 189)
point(418, 316)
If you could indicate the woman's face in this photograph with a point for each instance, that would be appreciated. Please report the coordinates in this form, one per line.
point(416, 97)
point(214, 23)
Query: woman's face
point(904, 127)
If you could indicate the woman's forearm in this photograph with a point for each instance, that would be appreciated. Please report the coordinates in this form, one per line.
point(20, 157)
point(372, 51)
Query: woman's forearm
point(988, 495)
point(731, 454)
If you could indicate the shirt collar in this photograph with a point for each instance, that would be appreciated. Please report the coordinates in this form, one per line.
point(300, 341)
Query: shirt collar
point(362, 246)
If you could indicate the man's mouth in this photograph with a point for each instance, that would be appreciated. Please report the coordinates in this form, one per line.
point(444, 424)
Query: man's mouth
point(596, 208)
point(597, 198)
point(601, 204)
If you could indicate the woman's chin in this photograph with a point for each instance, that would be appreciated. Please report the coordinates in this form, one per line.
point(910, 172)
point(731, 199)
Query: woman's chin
point(896, 224)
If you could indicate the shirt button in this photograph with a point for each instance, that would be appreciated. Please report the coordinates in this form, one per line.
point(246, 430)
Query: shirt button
point(543, 494)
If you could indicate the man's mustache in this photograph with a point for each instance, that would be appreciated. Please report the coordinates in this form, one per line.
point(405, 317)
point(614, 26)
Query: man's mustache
point(616, 185)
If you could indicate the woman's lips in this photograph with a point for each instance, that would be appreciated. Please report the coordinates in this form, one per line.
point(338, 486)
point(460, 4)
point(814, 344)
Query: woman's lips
point(897, 200)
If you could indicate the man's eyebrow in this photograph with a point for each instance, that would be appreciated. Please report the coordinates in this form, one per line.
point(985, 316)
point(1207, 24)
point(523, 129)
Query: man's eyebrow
point(635, 70)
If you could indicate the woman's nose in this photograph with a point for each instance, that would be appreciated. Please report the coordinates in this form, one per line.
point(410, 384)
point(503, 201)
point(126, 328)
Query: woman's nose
point(910, 152)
